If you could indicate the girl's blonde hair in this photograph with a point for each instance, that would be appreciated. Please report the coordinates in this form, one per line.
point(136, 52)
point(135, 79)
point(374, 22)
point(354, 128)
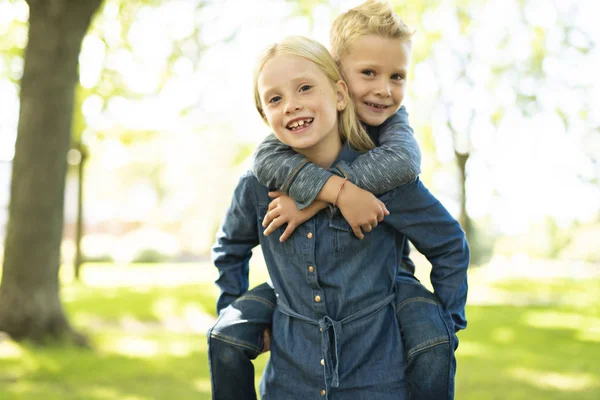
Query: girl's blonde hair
point(349, 126)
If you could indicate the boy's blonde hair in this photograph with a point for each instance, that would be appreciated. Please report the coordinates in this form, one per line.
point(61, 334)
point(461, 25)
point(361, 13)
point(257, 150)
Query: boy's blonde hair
point(349, 126)
point(373, 17)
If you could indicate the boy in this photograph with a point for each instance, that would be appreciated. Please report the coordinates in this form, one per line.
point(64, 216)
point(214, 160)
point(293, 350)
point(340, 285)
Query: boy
point(372, 47)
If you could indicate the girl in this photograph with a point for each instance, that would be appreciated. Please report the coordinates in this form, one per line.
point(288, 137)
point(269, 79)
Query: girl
point(335, 330)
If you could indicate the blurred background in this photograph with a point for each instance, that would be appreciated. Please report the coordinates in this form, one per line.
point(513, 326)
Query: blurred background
point(503, 100)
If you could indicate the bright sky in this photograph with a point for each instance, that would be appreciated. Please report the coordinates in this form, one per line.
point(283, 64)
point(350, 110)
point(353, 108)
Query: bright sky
point(518, 173)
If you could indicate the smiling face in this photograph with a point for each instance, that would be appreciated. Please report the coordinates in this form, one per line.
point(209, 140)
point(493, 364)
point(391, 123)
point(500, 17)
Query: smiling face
point(300, 103)
point(375, 68)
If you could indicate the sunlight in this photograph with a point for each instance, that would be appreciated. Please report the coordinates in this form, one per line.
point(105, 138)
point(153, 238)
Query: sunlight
point(202, 385)
point(472, 349)
point(554, 380)
point(138, 347)
point(104, 392)
point(560, 319)
point(9, 349)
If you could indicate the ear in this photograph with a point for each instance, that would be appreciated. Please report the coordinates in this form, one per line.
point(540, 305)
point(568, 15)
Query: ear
point(341, 90)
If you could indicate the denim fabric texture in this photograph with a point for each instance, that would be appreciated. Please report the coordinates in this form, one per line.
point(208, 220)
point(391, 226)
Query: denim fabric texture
point(324, 274)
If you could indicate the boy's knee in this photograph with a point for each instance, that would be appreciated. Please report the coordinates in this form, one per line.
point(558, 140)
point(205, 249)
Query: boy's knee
point(423, 325)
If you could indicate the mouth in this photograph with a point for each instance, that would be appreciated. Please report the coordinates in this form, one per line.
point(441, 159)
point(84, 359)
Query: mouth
point(377, 106)
point(299, 124)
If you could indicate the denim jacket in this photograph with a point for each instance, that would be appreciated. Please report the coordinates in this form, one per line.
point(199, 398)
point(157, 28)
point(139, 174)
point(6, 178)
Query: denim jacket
point(334, 326)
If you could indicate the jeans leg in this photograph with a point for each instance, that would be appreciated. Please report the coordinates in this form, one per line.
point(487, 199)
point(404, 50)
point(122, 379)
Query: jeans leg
point(429, 341)
point(235, 340)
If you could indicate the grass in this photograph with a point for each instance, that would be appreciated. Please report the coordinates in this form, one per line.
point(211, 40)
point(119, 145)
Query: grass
point(150, 343)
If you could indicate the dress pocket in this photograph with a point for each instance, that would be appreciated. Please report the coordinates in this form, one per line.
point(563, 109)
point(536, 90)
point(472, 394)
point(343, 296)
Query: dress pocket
point(344, 241)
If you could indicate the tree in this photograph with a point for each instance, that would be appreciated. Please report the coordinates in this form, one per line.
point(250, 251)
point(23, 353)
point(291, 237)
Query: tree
point(30, 305)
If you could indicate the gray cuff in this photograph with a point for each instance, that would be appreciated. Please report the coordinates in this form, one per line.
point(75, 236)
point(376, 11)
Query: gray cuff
point(308, 184)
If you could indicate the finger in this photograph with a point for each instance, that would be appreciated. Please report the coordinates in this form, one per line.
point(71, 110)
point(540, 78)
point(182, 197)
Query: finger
point(288, 232)
point(273, 204)
point(276, 223)
point(270, 216)
point(275, 194)
point(374, 224)
point(358, 233)
point(367, 228)
point(385, 210)
point(381, 211)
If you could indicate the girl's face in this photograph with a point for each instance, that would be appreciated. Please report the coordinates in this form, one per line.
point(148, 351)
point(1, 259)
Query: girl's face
point(300, 103)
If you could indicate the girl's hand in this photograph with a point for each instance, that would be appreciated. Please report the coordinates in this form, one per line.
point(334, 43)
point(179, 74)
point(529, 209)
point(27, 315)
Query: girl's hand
point(266, 340)
point(361, 209)
point(283, 210)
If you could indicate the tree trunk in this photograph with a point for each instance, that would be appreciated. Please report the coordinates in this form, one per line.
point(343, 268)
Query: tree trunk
point(79, 227)
point(463, 218)
point(30, 305)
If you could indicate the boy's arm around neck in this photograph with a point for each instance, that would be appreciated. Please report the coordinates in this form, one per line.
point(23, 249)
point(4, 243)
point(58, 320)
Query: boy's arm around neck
point(276, 165)
point(395, 162)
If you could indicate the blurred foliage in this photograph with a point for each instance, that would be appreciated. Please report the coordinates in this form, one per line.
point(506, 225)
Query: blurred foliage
point(458, 54)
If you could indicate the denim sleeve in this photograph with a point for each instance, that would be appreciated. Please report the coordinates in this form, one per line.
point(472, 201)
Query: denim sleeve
point(415, 212)
point(276, 165)
point(236, 238)
point(395, 162)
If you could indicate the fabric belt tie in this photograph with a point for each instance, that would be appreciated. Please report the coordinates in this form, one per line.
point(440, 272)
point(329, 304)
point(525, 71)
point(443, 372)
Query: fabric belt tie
point(326, 323)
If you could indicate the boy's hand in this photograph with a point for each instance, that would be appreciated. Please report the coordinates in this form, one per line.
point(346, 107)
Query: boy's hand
point(283, 210)
point(361, 209)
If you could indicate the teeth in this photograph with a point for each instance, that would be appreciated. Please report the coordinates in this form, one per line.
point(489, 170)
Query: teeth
point(300, 123)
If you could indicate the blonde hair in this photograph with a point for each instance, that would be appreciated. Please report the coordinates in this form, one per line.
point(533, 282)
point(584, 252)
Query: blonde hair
point(349, 126)
point(373, 17)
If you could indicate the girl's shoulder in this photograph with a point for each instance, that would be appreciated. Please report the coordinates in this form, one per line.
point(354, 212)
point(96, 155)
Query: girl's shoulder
point(249, 185)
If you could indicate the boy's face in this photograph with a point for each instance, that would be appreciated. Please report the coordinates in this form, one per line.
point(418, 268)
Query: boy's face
point(375, 68)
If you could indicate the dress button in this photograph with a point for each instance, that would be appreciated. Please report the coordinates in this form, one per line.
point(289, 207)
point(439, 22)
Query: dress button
point(311, 268)
point(323, 392)
point(322, 362)
point(309, 235)
point(317, 298)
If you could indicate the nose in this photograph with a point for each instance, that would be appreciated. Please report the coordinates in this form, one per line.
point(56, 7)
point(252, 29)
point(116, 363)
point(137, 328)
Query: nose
point(383, 89)
point(292, 107)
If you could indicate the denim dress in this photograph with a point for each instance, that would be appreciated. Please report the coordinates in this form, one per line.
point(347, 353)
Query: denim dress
point(335, 333)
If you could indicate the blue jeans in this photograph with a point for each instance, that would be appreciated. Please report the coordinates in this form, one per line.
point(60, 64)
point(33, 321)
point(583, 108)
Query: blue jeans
point(427, 331)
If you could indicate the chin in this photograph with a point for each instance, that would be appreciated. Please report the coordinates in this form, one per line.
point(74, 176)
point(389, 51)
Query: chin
point(373, 120)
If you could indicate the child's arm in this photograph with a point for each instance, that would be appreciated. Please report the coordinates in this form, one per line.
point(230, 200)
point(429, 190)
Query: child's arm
point(395, 162)
point(236, 238)
point(416, 213)
point(276, 165)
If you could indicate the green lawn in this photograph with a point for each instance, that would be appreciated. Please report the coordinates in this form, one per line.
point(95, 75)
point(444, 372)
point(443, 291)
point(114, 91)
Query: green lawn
point(150, 344)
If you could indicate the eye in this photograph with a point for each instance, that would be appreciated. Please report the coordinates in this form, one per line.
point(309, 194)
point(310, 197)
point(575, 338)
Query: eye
point(304, 88)
point(274, 99)
point(397, 77)
point(368, 72)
